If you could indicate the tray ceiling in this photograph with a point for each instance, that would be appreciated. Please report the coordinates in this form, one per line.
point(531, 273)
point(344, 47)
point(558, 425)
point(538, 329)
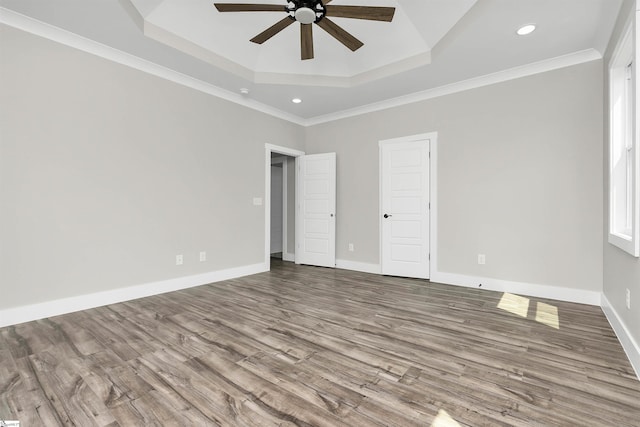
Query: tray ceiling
point(431, 47)
point(222, 39)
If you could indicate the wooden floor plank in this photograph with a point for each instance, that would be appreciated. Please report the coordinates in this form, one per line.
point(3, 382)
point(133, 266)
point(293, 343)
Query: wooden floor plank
point(308, 346)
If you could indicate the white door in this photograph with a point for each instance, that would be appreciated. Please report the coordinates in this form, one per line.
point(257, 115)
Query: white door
point(405, 208)
point(315, 210)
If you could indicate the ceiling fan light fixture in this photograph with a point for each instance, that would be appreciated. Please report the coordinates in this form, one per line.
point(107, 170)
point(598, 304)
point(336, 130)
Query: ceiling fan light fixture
point(305, 15)
point(526, 29)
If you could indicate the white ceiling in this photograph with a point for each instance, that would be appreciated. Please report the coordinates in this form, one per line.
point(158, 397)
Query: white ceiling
point(430, 44)
point(195, 27)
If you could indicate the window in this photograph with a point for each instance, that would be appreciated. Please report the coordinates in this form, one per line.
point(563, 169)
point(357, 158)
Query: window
point(624, 162)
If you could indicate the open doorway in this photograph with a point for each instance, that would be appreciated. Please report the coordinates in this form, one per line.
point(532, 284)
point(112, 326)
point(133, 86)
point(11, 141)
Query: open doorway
point(308, 233)
point(282, 207)
point(280, 192)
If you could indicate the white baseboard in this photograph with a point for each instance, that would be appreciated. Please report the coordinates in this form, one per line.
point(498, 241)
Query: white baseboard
point(630, 346)
point(364, 267)
point(530, 289)
point(289, 257)
point(27, 313)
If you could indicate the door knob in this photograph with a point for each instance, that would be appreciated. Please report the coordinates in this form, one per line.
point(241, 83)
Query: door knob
point(387, 215)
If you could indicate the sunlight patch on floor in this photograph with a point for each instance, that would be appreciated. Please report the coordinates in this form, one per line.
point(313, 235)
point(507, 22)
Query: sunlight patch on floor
point(514, 304)
point(547, 314)
point(443, 419)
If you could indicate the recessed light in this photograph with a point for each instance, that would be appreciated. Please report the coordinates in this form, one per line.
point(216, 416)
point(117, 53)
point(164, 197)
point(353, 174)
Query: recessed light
point(244, 91)
point(526, 29)
point(296, 100)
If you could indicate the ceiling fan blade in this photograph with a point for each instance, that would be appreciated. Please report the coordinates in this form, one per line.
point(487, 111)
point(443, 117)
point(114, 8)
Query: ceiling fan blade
point(306, 41)
point(272, 30)
point(372, 13)
point(241, 7)
point(340, 34)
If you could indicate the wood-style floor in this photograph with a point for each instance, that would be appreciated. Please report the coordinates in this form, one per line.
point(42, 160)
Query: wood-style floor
point(308, 346)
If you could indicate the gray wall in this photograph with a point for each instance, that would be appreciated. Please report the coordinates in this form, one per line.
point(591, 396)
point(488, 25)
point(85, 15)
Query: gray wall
point(520, 177)
point(106, 173)
point(621, 270)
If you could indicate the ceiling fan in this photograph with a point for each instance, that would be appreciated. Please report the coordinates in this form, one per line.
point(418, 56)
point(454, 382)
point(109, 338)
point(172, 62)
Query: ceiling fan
point(308, 12)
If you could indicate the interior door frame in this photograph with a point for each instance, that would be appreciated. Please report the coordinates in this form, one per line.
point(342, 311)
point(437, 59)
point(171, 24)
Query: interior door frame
point(433, 193)
point(282, 161)
point(268, 149)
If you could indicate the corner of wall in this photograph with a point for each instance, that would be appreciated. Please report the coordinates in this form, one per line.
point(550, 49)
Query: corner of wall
point(630, 346)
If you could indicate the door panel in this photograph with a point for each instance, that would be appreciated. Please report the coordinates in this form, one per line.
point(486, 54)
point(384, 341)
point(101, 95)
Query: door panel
point(315, 212)
point(405, 202)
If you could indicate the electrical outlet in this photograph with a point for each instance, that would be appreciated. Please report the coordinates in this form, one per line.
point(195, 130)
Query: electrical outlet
point(351, 248)
point(628, 299)
point(203, 256)
point(482, 259)
point(179, 260)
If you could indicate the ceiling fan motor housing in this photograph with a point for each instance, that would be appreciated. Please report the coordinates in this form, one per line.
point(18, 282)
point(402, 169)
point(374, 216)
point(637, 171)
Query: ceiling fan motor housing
point(305, 11)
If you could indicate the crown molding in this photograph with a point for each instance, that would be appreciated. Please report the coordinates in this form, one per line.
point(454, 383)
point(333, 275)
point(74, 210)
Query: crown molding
point(396, 67)
point(59, 35)
point(76, 41)
point(476, 82)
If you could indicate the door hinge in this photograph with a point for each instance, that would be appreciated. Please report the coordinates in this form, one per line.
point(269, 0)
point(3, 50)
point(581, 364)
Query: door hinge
point(429, 257)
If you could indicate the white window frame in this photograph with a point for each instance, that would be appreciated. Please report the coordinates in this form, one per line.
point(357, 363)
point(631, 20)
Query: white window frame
point(624, 156)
